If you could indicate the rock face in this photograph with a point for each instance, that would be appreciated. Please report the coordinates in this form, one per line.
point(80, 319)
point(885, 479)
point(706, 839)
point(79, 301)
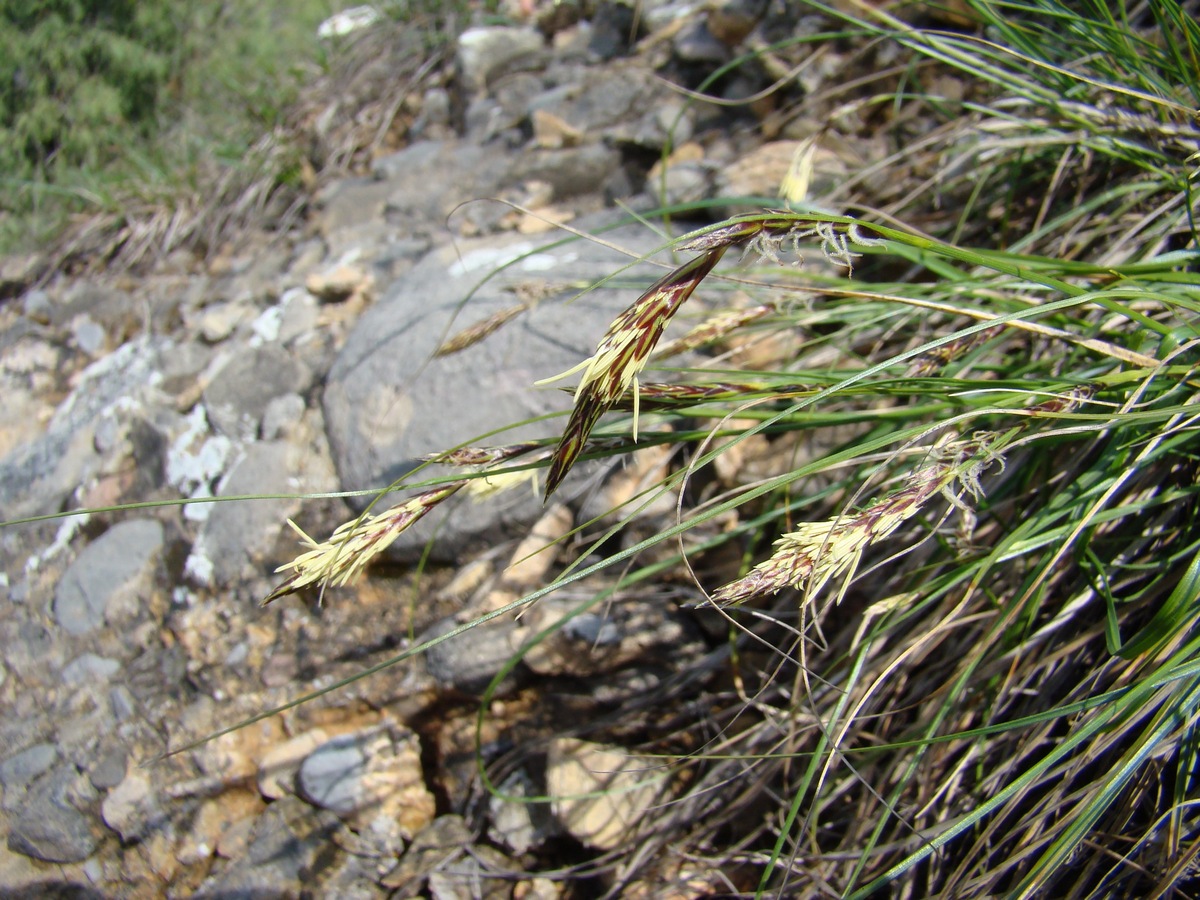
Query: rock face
point(389, 401)
point(292, 364)
point(110, 578)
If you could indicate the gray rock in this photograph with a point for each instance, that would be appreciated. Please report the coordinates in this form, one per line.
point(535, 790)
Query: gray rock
point(482, 874)
point(122, 703)
point(281, 415)
point(514, 95)
point(485, 53)
point(90, 669)
point(387, 403)
point(517, 825)
point(89, 335)
point(37, 305)
point(237, 537)
point(469, 661)
point(54, 834)
point(434, 118)
point(331, 774)
point(590, 644)
point(240, 392)
point(108, 769)
point(685, 182)
point(110, 578)
point(601, 103)
point(421, 189)
point(573, 171)
point(38, 476)
point(443, 841)
point(298, 316)
point(614, 24)
point(19, 770)
point(695, 44)
point(376, 770)
point(46, 826)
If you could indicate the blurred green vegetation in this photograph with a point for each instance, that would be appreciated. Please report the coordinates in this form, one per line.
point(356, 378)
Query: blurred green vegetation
point(102, 101)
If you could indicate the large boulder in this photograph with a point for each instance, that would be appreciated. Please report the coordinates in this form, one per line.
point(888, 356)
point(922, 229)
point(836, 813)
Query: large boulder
point(389, 402)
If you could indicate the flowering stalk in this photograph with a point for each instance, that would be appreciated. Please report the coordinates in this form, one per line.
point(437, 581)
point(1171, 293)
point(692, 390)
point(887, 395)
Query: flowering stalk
point(475, 333)
point(621, 355)
point(481, 456)
point(817, 552)
point(767, 233)
point(662, 394)
point(935, 360)
point(354, 544)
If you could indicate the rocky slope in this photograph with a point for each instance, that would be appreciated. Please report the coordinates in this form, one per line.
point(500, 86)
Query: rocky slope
point(301, 364)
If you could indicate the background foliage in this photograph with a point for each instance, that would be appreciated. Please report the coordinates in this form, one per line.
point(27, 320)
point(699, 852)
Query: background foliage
point(104, 104)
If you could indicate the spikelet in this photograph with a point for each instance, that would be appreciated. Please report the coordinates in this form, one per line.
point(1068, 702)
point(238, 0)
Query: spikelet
point(355, 543)
point(621, 355)
point(714, 328)
point(818, 552)
point(481, 456)
point(473, 334)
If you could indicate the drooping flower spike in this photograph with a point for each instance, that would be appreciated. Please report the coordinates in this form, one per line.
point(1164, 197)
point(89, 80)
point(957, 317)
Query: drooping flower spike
point(621, 355)
point(355, 543)
point(818, 552)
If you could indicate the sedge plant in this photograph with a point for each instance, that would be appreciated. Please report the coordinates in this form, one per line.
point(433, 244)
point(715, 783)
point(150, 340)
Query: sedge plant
point(962, 653)
point(958, 589)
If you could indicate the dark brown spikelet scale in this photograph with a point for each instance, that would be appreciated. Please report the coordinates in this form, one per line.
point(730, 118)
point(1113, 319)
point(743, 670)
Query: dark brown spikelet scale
point(622, 352)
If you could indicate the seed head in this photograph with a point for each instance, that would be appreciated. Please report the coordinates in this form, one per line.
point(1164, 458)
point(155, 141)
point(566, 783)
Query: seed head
point(477, 332)
point(355, 543)
point(817, 552)
point(621, 355)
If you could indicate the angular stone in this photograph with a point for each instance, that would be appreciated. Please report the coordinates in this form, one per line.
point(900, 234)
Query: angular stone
point(46, 826)
point(517, 825)
point(277, 769)
point(38, 476)
point(241, 390)
point(110, 577)
point(285, 844)
point(237, 537)
point(19, 770)
point(132, 810)
point(376, 771)
point(90, 669)
point(570, 171)
point(388, 403)
point(419, 191)
point(601, 793)
point(485, 53)
point(468, 661)
point(55, 835)
point(483, 874)
point(446, 838)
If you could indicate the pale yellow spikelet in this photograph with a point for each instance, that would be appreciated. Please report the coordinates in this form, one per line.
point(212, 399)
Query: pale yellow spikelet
point(816, 553)
point(354, 544)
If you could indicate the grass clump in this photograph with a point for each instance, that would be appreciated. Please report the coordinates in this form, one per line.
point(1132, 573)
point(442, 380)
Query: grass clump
point(960, 589)
point(962, 632)
point(78, 79)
